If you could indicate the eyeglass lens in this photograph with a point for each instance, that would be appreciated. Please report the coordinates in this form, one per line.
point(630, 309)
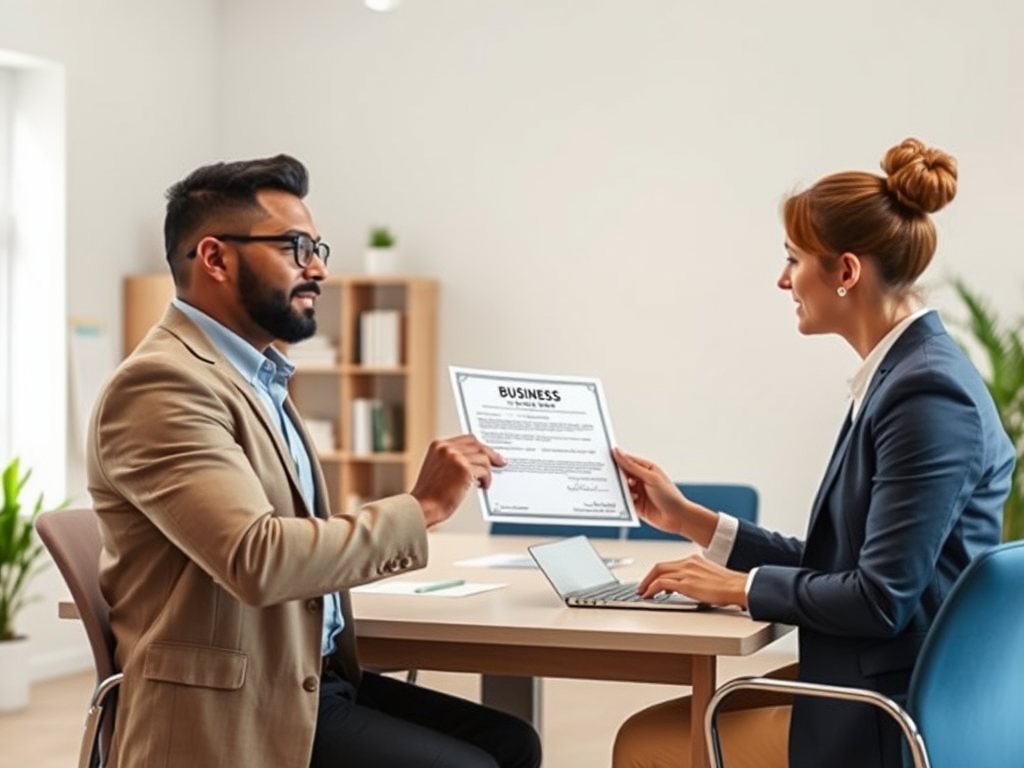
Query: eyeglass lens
point(306, 248)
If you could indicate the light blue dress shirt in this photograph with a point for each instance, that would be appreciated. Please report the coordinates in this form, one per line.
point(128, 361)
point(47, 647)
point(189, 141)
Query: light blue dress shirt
point(268, 373)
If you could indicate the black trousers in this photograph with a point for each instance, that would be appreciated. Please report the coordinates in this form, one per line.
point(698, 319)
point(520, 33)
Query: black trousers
point(388, 723)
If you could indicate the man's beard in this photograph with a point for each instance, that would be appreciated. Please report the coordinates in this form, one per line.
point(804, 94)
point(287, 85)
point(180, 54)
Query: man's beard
point(271, 308)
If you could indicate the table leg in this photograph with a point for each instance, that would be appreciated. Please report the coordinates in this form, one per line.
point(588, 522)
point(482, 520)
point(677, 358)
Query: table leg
point(519, 696)
point(703, 683)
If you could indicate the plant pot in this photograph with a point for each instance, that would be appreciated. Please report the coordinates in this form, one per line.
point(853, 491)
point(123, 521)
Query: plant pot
point(381, 261)
point(14, 674)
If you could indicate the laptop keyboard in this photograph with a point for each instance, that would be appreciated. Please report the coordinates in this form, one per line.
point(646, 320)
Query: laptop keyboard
point(620, 593)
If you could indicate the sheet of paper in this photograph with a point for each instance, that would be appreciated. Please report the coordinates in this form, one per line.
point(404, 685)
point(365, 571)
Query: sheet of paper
point(509, 560)
point(556, 435)
point(392, 587)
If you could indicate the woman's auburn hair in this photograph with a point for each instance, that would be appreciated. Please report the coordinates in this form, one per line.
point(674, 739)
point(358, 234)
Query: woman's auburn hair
point(882, 217)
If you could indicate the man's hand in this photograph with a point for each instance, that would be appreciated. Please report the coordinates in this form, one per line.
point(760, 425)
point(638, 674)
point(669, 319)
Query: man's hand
point(452, 466)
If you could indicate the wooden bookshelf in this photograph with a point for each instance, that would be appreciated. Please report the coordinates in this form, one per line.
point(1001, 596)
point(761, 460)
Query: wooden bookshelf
point(324, 391)
point(145, 299)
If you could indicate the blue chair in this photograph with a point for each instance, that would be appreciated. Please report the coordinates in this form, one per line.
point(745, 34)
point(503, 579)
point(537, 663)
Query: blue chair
point(556, 531)
point(737, 500)
point(966, 692)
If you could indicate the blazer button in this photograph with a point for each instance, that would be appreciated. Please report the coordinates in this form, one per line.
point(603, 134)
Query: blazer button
point(313, 605)
point(310, 684)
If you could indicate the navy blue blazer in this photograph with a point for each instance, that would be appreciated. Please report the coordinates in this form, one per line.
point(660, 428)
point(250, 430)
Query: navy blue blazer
point(914, 490)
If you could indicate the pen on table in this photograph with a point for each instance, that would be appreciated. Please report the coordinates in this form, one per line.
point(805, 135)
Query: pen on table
point(439, 585)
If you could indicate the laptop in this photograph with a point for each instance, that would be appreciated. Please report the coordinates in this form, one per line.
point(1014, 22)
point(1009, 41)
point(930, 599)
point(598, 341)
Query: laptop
point(583, 580)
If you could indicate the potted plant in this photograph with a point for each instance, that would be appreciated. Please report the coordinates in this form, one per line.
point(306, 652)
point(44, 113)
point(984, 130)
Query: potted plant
point(21, 557)
point(381, 253)
point(1003, 347)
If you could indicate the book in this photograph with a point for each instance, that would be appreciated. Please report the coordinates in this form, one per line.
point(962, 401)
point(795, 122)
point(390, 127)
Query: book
point(380, 337)
point(387, 427)
point(361, 434)
point(314, 351)
point(321, 432)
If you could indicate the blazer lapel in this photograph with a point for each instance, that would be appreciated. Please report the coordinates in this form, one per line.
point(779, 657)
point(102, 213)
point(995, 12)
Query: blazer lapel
point(838, 453)
point(274, 430)
point(925, 326)
point(320, 504)
point(175, 322)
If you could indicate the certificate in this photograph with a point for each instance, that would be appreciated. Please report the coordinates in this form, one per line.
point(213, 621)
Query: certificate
point(555, 434)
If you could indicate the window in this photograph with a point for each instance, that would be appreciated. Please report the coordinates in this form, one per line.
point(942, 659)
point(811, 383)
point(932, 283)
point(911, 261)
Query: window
point(33, 303)
point(5, 257)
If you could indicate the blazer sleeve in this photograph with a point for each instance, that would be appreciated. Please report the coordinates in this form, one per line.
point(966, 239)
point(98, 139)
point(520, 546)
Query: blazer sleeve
point(187, 453)
point(755, 547)
point(924, 455)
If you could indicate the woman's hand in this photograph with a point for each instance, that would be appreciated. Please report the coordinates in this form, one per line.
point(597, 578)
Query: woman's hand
point(655, 496)
point(697, 577)
point(658, 501)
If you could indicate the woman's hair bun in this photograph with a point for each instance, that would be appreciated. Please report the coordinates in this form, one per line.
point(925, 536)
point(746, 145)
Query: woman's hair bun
point(920, 177)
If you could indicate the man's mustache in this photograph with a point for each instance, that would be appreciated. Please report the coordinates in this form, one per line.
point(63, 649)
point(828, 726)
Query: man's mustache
point(306, 288)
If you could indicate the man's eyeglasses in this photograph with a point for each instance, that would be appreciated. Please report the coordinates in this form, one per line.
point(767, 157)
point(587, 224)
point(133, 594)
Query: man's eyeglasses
point(304, 247)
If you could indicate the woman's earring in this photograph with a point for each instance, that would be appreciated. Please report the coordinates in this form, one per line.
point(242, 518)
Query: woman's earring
point(841, 291)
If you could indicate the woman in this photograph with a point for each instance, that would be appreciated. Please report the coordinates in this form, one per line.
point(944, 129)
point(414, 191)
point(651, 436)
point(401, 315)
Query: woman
point(914, 489)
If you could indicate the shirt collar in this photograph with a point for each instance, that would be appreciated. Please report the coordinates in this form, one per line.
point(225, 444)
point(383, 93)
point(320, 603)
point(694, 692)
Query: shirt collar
point(862, 378)
point(246, 359)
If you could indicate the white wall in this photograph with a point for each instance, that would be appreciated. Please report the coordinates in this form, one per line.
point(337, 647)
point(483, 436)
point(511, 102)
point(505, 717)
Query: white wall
point(596, 183)
point(142, 88)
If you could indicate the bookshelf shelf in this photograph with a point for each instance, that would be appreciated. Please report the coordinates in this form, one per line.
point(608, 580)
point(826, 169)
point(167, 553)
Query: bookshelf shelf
point(378, 458)
point(356, 369)
point(319, 370)
point(391, 457)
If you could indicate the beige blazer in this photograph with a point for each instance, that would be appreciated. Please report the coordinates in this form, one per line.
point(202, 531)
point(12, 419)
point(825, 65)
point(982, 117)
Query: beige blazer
point(212, 567)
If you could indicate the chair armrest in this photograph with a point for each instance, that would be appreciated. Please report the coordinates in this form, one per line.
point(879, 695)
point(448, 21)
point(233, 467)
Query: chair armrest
point(755, 698)
point(797, 688)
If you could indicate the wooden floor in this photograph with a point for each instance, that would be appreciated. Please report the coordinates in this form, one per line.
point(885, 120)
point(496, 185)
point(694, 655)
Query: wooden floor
point(580, 717)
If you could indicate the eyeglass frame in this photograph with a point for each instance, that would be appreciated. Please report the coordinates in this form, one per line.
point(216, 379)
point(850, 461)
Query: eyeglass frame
point(317, 248)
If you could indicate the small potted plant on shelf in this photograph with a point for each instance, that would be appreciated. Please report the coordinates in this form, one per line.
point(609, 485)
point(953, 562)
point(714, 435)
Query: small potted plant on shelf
point(381, 253)
point(21, 557)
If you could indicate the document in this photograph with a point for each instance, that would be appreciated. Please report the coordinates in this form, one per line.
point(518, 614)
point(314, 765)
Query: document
point(511, 560)
point(556, 435)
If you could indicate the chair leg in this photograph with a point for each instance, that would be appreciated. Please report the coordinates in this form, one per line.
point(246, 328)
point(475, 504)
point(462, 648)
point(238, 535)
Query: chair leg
point(90, 753)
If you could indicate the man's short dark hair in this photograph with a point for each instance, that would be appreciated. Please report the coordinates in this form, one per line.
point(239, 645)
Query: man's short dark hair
point(221, 190)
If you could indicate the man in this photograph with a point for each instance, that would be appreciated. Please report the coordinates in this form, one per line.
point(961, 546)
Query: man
point(224, 568)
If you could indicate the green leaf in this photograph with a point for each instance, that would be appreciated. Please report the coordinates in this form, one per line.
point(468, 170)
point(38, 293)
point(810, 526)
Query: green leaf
point(21, 554)
point(381, 237)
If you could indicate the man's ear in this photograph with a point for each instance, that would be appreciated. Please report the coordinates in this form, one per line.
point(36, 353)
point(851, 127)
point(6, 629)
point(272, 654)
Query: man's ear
point(210, 258)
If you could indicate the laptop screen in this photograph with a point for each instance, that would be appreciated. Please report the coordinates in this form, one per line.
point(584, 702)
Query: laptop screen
point(572, 565)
